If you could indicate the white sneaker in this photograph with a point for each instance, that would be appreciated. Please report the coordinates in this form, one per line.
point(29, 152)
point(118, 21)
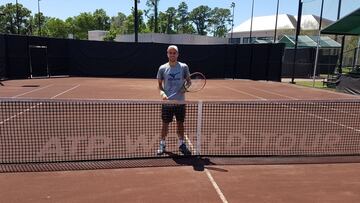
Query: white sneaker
point(161, 149)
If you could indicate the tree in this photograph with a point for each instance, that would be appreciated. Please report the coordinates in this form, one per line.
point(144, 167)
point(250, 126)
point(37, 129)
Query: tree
point(153, 16)
point(129, 23)
point(35, 25)
point(55, 27)
point(183, 25)
point(111, 35)
point(11, 23)
point(168, 20)
point(101, 20)
point(70, 24)
point(81, 24)
point(218, 22)
point(200, 16)
point(118, 22)
point(117, 26)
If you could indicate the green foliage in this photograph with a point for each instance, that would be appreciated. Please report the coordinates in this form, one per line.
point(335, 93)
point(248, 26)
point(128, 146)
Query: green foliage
point(168, 21)
point(111, 35)
point(11, 23)
point(37, 23)
point(201, 20)
point(101, 20)
point(201, 16)
point(218, 22)
point(55, 27)
point(152, 14)
point(129, 22)
point(118, 23)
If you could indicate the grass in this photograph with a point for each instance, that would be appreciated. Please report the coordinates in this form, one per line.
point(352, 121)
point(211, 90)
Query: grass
point(318, 84)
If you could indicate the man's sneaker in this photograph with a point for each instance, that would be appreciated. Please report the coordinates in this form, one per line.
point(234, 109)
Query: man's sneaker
point(161, 149)
point(184, 150)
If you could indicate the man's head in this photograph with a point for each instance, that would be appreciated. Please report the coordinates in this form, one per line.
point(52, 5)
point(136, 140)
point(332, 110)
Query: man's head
point(172, 53)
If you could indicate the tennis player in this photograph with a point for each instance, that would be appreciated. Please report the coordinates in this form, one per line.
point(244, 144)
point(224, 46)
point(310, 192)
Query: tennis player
point(171, 77)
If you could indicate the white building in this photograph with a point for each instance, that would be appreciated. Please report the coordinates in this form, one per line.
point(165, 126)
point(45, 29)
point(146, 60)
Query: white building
point(172, 38)
point(97, 35)
point(263, 27)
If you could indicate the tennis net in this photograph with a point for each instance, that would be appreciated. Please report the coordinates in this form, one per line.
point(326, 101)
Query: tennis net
point(42, 131)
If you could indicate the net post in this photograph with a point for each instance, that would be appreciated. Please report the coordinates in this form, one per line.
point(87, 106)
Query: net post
point(198, 128)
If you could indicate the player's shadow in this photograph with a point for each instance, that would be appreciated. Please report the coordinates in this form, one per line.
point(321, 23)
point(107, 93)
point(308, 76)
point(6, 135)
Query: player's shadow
point(198, 163)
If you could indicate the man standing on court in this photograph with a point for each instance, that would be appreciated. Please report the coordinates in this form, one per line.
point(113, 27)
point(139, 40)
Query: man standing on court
point(171, 77)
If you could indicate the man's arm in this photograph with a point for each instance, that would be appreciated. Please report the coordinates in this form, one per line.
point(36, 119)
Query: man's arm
point(187, 75)
point(162, 91)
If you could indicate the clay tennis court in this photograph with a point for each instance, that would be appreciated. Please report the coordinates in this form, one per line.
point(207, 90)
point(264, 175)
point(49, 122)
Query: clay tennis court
point(214, 179)
point(146, 89)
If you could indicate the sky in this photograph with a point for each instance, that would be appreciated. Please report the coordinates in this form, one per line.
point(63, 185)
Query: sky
point(68, 8)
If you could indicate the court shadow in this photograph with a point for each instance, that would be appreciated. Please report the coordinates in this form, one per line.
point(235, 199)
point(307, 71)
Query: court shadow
point(198, 163)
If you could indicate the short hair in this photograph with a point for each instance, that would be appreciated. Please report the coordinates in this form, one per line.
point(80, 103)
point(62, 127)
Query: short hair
point(173, 47)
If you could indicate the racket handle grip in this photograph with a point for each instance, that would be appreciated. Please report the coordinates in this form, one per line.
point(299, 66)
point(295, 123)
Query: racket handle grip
point(173, 94)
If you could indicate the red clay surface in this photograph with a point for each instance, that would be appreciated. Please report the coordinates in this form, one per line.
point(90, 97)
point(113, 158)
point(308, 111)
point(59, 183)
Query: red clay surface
point(244, 183)
point(241, 183)
point(146, 89)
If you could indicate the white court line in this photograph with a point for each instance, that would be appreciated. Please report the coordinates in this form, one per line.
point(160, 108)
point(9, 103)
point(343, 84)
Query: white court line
point(239, 91)
point(320, 90)
point(269, 92)
point(31, 91)
point(36, 105)
point(18, 114)
point(65, 91)
point(313, 115)
point(213, 182)
point(221, 195)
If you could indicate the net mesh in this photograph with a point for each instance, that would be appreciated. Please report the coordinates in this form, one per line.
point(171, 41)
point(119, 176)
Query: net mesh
point(34, 131)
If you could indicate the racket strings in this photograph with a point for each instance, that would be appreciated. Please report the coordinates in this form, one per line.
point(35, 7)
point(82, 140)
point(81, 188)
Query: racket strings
point(195, 85)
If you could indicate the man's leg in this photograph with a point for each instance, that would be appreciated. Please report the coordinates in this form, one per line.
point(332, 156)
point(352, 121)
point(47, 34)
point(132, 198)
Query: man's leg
point(166, 116)
point(164, 132)
point(180, 130)
point(180, 118)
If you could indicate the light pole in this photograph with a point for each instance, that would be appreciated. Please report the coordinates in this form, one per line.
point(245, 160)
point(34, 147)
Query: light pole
point(277, 14)
point(252, 16)
point(232, 22)
point(136, 23)
point(318, 43)
point(17, 17)
point(39, 18)
point(298, 28)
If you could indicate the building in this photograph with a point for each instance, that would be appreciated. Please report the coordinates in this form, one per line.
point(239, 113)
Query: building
point(263, 27)
point(172, 38)
point(97, 35)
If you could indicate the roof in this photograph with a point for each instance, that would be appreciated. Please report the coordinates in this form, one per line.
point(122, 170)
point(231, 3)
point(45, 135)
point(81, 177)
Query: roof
point(311, 22)
point(262, 41)
point(309, 41)
point(326, 41)
point(348, 25)
point(285, 22)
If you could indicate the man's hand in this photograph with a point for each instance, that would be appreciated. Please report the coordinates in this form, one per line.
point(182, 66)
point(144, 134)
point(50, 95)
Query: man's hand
point(163, 95)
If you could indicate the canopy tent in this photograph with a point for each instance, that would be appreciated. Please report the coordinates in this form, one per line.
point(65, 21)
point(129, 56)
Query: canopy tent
point(309, 41)
point(348, 25)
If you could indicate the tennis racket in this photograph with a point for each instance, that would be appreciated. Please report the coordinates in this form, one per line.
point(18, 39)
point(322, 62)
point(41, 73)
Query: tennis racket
point(197, 83)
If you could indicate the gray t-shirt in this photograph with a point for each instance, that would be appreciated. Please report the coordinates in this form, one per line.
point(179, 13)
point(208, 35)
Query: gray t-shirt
point(174, 78)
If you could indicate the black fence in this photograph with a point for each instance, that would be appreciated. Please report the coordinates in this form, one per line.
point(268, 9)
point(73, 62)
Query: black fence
point(305, 62)
point(26, 56)
point(2, 57)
